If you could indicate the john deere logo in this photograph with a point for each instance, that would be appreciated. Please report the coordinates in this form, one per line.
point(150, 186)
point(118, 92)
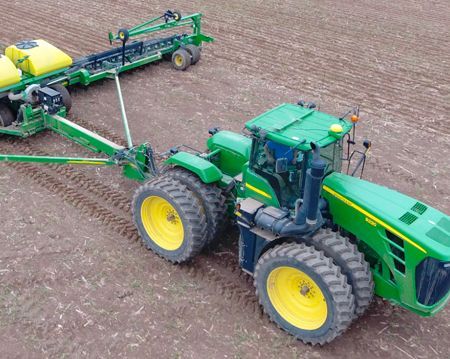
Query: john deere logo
point(372, 223)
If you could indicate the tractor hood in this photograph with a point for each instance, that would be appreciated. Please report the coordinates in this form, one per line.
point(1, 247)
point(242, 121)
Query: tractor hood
point(422, 226)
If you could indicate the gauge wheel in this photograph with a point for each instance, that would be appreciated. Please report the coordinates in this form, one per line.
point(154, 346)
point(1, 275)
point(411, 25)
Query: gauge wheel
point(123, 35)
point(176, 15)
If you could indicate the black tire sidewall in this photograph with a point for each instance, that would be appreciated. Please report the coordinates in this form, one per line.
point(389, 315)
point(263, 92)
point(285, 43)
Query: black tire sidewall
point(195, 53)
point(186, 59)
point(64, 92)
point(6, 115)
point(263, 274)
point(175, 254)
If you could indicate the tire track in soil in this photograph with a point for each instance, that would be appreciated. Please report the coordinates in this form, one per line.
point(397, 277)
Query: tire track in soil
point(221, 272)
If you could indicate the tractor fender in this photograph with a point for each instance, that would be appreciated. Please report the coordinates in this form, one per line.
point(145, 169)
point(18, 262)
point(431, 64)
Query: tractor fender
point(204, 169)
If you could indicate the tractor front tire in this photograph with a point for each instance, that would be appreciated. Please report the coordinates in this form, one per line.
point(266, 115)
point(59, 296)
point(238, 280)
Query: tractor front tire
point(181, 59)
point(352, 263)
point(195, 53)
point(304, 292)
point(210, 196)
point(66, 98)
point(6, 115)
point(170, 219)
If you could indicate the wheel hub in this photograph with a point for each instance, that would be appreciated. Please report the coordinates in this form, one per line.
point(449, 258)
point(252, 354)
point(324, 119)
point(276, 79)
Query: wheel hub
point(162, 223)
point(297, 298)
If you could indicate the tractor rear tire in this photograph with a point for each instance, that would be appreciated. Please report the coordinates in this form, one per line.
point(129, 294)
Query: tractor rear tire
point(352, 263)
point(304, 292)
point(195, 53)
point(170, 219)
point(66, 98)
point(181, 60)
point(6, 115)
point(210, 196)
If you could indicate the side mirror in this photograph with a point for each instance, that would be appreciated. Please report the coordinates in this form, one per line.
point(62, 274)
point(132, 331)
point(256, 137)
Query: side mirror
point(281, 165)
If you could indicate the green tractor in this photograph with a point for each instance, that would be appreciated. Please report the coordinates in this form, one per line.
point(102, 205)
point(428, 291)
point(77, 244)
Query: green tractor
point(319, 243)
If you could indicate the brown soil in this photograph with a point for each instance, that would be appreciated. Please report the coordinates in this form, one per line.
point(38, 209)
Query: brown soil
point(74, 279)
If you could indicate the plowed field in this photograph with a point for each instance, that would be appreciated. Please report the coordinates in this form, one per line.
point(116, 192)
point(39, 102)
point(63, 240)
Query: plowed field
point(74, 278)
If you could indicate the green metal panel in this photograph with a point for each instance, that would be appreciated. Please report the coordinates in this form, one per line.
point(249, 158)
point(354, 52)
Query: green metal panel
point(257, 187)
point(84, 77)
point(207, 171)
point(233, 151)
point(80, 135)
point(297, 126)
point(376, 216)
point(58, 160)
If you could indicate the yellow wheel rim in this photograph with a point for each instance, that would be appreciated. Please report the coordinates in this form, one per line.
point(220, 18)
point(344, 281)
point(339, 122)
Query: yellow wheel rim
point(178, 60)
point(162, 223)
point(297, 298)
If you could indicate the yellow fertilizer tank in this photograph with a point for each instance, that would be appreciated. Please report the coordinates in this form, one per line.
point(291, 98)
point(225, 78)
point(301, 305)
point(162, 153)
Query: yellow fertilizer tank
point(9, 75)
point(37, 57)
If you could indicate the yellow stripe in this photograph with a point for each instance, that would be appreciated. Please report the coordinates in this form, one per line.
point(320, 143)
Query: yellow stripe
point(85, 163)
point(257, 190)
point(371, 216)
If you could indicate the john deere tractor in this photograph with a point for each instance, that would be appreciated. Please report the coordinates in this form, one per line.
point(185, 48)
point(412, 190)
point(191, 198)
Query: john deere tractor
point(319, 243)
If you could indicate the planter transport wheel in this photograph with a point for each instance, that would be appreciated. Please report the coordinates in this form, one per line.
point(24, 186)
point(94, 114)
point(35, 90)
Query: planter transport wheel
point(67, 99)
point(6, 115)
point(181, 59)
point(195, 53)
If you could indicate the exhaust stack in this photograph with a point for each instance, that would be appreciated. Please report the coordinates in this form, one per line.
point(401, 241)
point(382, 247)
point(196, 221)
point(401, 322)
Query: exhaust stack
point(308, 212)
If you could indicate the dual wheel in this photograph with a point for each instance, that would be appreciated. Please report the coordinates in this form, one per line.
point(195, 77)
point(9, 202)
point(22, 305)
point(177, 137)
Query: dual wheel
point(177, 214)
point(185, 57)
point(314, 289)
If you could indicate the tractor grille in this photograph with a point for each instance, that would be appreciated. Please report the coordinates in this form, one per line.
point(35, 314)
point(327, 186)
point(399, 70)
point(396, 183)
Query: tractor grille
point(432, 281)
point(419, 208)
point(397, 247)
point(408, 218)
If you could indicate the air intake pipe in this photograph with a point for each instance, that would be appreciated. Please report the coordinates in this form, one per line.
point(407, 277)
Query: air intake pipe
point(309, 210)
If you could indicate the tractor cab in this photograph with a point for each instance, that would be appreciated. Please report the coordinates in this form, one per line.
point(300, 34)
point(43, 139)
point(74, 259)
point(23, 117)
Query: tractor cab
point(282, 150)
